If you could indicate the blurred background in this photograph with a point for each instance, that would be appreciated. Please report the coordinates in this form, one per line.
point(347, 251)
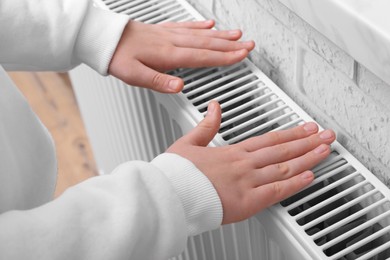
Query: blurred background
point(52, 99)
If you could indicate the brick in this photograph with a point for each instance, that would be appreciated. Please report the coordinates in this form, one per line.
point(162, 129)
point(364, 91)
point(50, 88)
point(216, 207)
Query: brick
point(363, 119)
point(205, 7)
point(274, 43)
point(251, 16)
point(311, 37)
point(373, 86)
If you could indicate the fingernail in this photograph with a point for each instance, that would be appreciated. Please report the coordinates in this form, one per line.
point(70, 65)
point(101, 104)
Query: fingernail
point(173, 85)
point(211, 108)
point(310, 127)
point(320, 149)
point(307, 175)
point(327, 134)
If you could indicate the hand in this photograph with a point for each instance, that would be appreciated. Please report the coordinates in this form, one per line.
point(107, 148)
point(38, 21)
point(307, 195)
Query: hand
point(145, 51)
point(258, 172)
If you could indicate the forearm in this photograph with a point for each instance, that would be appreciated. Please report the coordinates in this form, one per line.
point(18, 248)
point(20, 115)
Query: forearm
point(57, 34)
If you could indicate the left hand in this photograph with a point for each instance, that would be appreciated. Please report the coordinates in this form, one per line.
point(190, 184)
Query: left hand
point(258, 172)
point(145, 51)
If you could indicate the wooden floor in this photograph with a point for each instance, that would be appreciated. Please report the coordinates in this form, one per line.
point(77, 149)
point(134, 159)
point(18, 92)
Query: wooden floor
point(51, 97)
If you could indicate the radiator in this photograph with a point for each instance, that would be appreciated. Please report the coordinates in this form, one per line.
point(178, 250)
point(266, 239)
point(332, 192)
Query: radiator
point(343, 214)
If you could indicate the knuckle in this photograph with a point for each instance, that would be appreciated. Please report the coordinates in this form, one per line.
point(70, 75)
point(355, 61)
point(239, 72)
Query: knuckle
point(158, 80)
point(277, 190)
point(311, 142)
point(240, 163)
point(299, 132)
point(205, 127)
point(283, 169)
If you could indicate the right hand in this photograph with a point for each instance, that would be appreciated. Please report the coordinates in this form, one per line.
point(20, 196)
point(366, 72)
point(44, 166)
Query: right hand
point(258, 172)
point(146, 51)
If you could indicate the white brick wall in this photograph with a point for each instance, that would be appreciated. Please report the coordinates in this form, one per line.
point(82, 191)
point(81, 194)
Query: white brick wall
point(334, 88)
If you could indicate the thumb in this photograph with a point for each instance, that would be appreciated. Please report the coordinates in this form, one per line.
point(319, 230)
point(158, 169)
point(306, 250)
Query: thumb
point(161, 82)
point(205, 131)
point(146, 77)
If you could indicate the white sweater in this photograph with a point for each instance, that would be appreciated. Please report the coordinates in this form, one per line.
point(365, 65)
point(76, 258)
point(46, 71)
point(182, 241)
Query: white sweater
point(140, 211)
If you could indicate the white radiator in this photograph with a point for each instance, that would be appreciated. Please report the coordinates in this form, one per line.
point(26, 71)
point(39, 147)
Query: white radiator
point(344, 214)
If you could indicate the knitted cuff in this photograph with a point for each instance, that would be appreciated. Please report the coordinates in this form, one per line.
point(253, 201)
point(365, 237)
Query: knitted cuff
point(201, 203)
point(98, 38)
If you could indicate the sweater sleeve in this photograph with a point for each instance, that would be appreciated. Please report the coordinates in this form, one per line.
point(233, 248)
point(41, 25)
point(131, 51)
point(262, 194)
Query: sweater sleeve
point(140, 211)
point(57, 34)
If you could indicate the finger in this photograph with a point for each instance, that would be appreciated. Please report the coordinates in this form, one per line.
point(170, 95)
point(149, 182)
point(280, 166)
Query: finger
point(277, 191)
point(288, 169)
point(278, 137)
point(205, 131)
point(192, 25)
point(223, 34)
point(143, 76)
point(216, 44)
point(287, 151)
point(191, 58)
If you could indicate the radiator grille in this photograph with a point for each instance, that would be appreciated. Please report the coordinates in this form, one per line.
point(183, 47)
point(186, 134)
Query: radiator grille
point(249, 106)
point(344, 214)
point(151, 11)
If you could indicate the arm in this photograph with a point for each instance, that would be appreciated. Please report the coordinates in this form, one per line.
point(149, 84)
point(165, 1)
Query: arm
point(137, 212)
point(61, 34)
point(57, 34)
point(147, 210)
